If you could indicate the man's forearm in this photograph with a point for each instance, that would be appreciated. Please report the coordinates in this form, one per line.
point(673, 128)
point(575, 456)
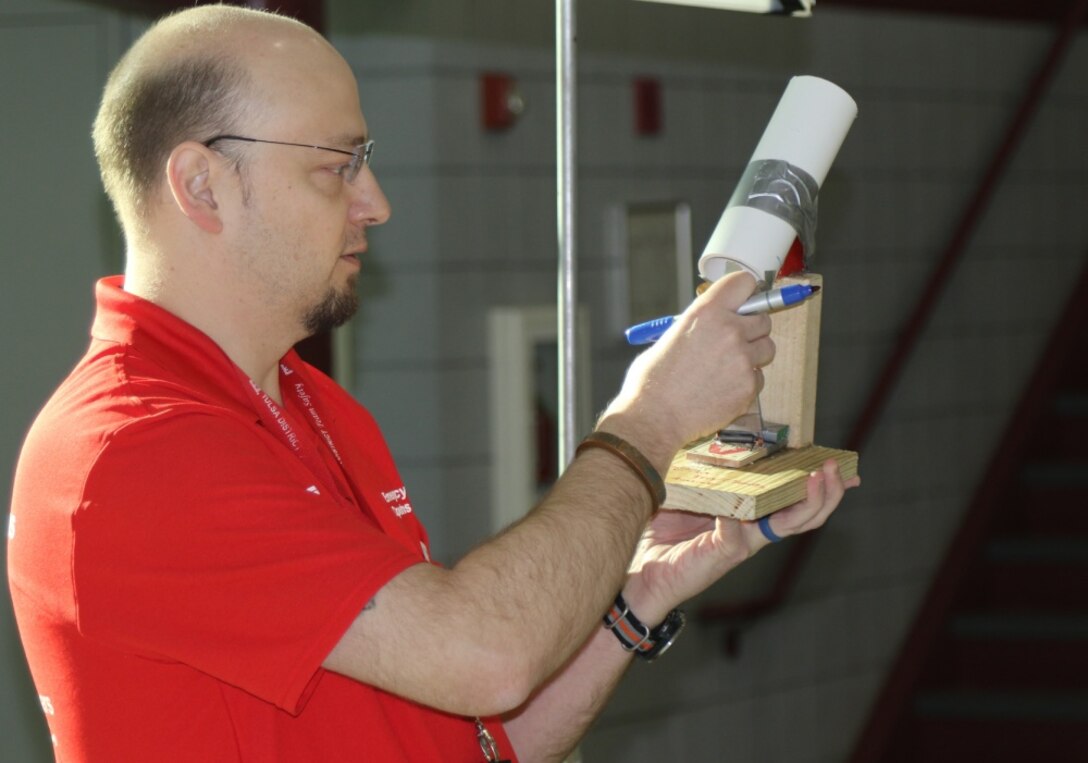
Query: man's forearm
point(568, 558)
point(515, 609)
point(549, 726)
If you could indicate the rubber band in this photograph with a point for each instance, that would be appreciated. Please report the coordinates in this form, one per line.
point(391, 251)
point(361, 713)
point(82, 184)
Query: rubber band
point(765, 528)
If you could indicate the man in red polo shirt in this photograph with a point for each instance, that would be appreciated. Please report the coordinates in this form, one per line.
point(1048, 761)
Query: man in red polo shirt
point(213, 557)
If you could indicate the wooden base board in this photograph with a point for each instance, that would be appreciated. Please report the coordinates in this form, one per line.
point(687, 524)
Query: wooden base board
point(751, 491)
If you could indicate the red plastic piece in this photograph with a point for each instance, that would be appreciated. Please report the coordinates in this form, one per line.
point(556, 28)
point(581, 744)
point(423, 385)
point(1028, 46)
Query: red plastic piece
point(795, 260)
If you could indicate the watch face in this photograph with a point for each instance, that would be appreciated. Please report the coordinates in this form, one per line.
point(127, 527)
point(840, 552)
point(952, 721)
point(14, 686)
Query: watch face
point(663, 646)
point(665, 634)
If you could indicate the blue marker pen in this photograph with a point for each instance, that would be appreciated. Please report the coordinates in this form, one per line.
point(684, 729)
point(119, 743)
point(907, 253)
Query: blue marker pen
point(764, 302)
point(777, 299)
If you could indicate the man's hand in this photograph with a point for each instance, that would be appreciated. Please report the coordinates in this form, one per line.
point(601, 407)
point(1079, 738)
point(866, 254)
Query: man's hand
point(681, 554)
point(702, 375)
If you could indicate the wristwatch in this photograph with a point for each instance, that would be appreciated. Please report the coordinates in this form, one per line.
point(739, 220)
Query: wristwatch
point(647, 643)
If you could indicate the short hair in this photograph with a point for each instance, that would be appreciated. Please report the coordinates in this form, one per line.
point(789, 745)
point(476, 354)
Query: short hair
point(174, 84)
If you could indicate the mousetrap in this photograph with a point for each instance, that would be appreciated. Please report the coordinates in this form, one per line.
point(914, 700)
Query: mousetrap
point(755, 467)
point(741, 443)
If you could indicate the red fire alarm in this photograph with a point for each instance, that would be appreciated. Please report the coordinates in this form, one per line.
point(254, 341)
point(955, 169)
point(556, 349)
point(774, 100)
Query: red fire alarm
point(500, 101)
point(647, 93)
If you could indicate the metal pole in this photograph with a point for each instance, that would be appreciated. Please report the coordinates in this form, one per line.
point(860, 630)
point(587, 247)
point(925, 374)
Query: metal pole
point(565, 95)
point(565, 87)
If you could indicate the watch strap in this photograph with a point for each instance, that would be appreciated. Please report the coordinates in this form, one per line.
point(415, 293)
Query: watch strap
point(637, 637)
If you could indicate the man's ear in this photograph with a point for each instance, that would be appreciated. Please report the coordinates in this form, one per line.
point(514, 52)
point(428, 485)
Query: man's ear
point(191, 172)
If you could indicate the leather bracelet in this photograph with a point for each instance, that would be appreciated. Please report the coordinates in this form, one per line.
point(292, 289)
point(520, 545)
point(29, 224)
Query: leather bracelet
point(631, 456)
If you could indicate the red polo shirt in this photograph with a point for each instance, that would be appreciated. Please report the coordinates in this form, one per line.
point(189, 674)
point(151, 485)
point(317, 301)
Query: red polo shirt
point(180, 569)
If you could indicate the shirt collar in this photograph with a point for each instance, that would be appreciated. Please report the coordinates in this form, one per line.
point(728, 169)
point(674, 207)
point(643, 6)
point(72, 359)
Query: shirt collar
point(166, 340)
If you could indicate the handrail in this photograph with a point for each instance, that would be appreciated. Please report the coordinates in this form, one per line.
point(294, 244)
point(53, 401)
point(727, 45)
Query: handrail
point(913, 326)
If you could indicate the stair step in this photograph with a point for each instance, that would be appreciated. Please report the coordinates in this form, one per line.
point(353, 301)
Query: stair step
point(1021, 626)
point(1048, 499)
point(1070, 550)
point(1045, 475)
point(1060, 707)
point(944, 739)
point(997, 727)
point(1075, 376)
point(1031, 587)
point(1065, 431)
point(1032, 574)
point(975, 664)
point(1011, 652)
point(1071, 404)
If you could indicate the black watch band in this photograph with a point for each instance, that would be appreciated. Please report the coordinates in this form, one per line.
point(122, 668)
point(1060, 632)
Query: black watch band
point(647, 643)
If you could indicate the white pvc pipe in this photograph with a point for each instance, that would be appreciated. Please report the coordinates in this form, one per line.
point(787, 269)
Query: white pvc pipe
point(806, 130)
point(565, 92)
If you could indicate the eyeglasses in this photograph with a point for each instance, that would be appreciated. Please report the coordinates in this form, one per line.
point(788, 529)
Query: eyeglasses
point(359, 157)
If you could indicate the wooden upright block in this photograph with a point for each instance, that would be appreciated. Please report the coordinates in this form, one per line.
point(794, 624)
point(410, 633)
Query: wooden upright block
point(789, 389)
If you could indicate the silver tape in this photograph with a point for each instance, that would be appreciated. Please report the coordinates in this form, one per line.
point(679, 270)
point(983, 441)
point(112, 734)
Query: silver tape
point(785, 191)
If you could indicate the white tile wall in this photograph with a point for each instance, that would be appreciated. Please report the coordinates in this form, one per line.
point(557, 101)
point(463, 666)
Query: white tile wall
point(473, 227)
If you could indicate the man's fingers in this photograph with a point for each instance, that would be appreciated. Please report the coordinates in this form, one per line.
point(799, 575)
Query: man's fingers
point(755, 326)
point(824, 491)
point(828, 488)
point(762, 352)
point(730, 290)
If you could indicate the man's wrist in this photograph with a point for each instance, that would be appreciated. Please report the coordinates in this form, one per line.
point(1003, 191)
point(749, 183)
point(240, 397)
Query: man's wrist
point(654, 446)
point(642, 601)
point(643, 640)
point(632, 457)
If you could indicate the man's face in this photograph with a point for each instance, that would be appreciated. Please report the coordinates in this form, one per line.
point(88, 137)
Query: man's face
point(302, 226)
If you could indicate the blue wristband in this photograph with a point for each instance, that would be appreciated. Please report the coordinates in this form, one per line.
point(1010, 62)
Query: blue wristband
point(765, 528)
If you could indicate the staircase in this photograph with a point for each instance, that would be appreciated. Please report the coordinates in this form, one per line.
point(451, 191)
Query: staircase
point(1007, 676)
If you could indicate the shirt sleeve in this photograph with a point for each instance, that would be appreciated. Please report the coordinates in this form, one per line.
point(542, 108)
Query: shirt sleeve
point(201, 539)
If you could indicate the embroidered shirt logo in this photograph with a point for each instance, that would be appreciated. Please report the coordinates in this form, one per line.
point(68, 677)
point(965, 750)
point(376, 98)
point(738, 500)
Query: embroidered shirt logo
point(313, 489)
point(398, 501)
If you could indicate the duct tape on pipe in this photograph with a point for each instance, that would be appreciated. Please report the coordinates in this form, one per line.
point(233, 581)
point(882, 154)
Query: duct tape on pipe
point(784, 191)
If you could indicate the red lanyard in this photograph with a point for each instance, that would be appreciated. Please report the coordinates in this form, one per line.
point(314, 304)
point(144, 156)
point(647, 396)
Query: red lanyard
point(338, 481)
point(275, 419)
point(283, 425)
point(307, 403)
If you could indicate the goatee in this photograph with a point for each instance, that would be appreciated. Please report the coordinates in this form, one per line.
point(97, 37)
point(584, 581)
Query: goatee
point(335, 309)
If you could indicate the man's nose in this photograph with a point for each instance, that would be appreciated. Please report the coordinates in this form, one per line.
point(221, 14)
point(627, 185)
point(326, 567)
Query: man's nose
point(368, 203)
